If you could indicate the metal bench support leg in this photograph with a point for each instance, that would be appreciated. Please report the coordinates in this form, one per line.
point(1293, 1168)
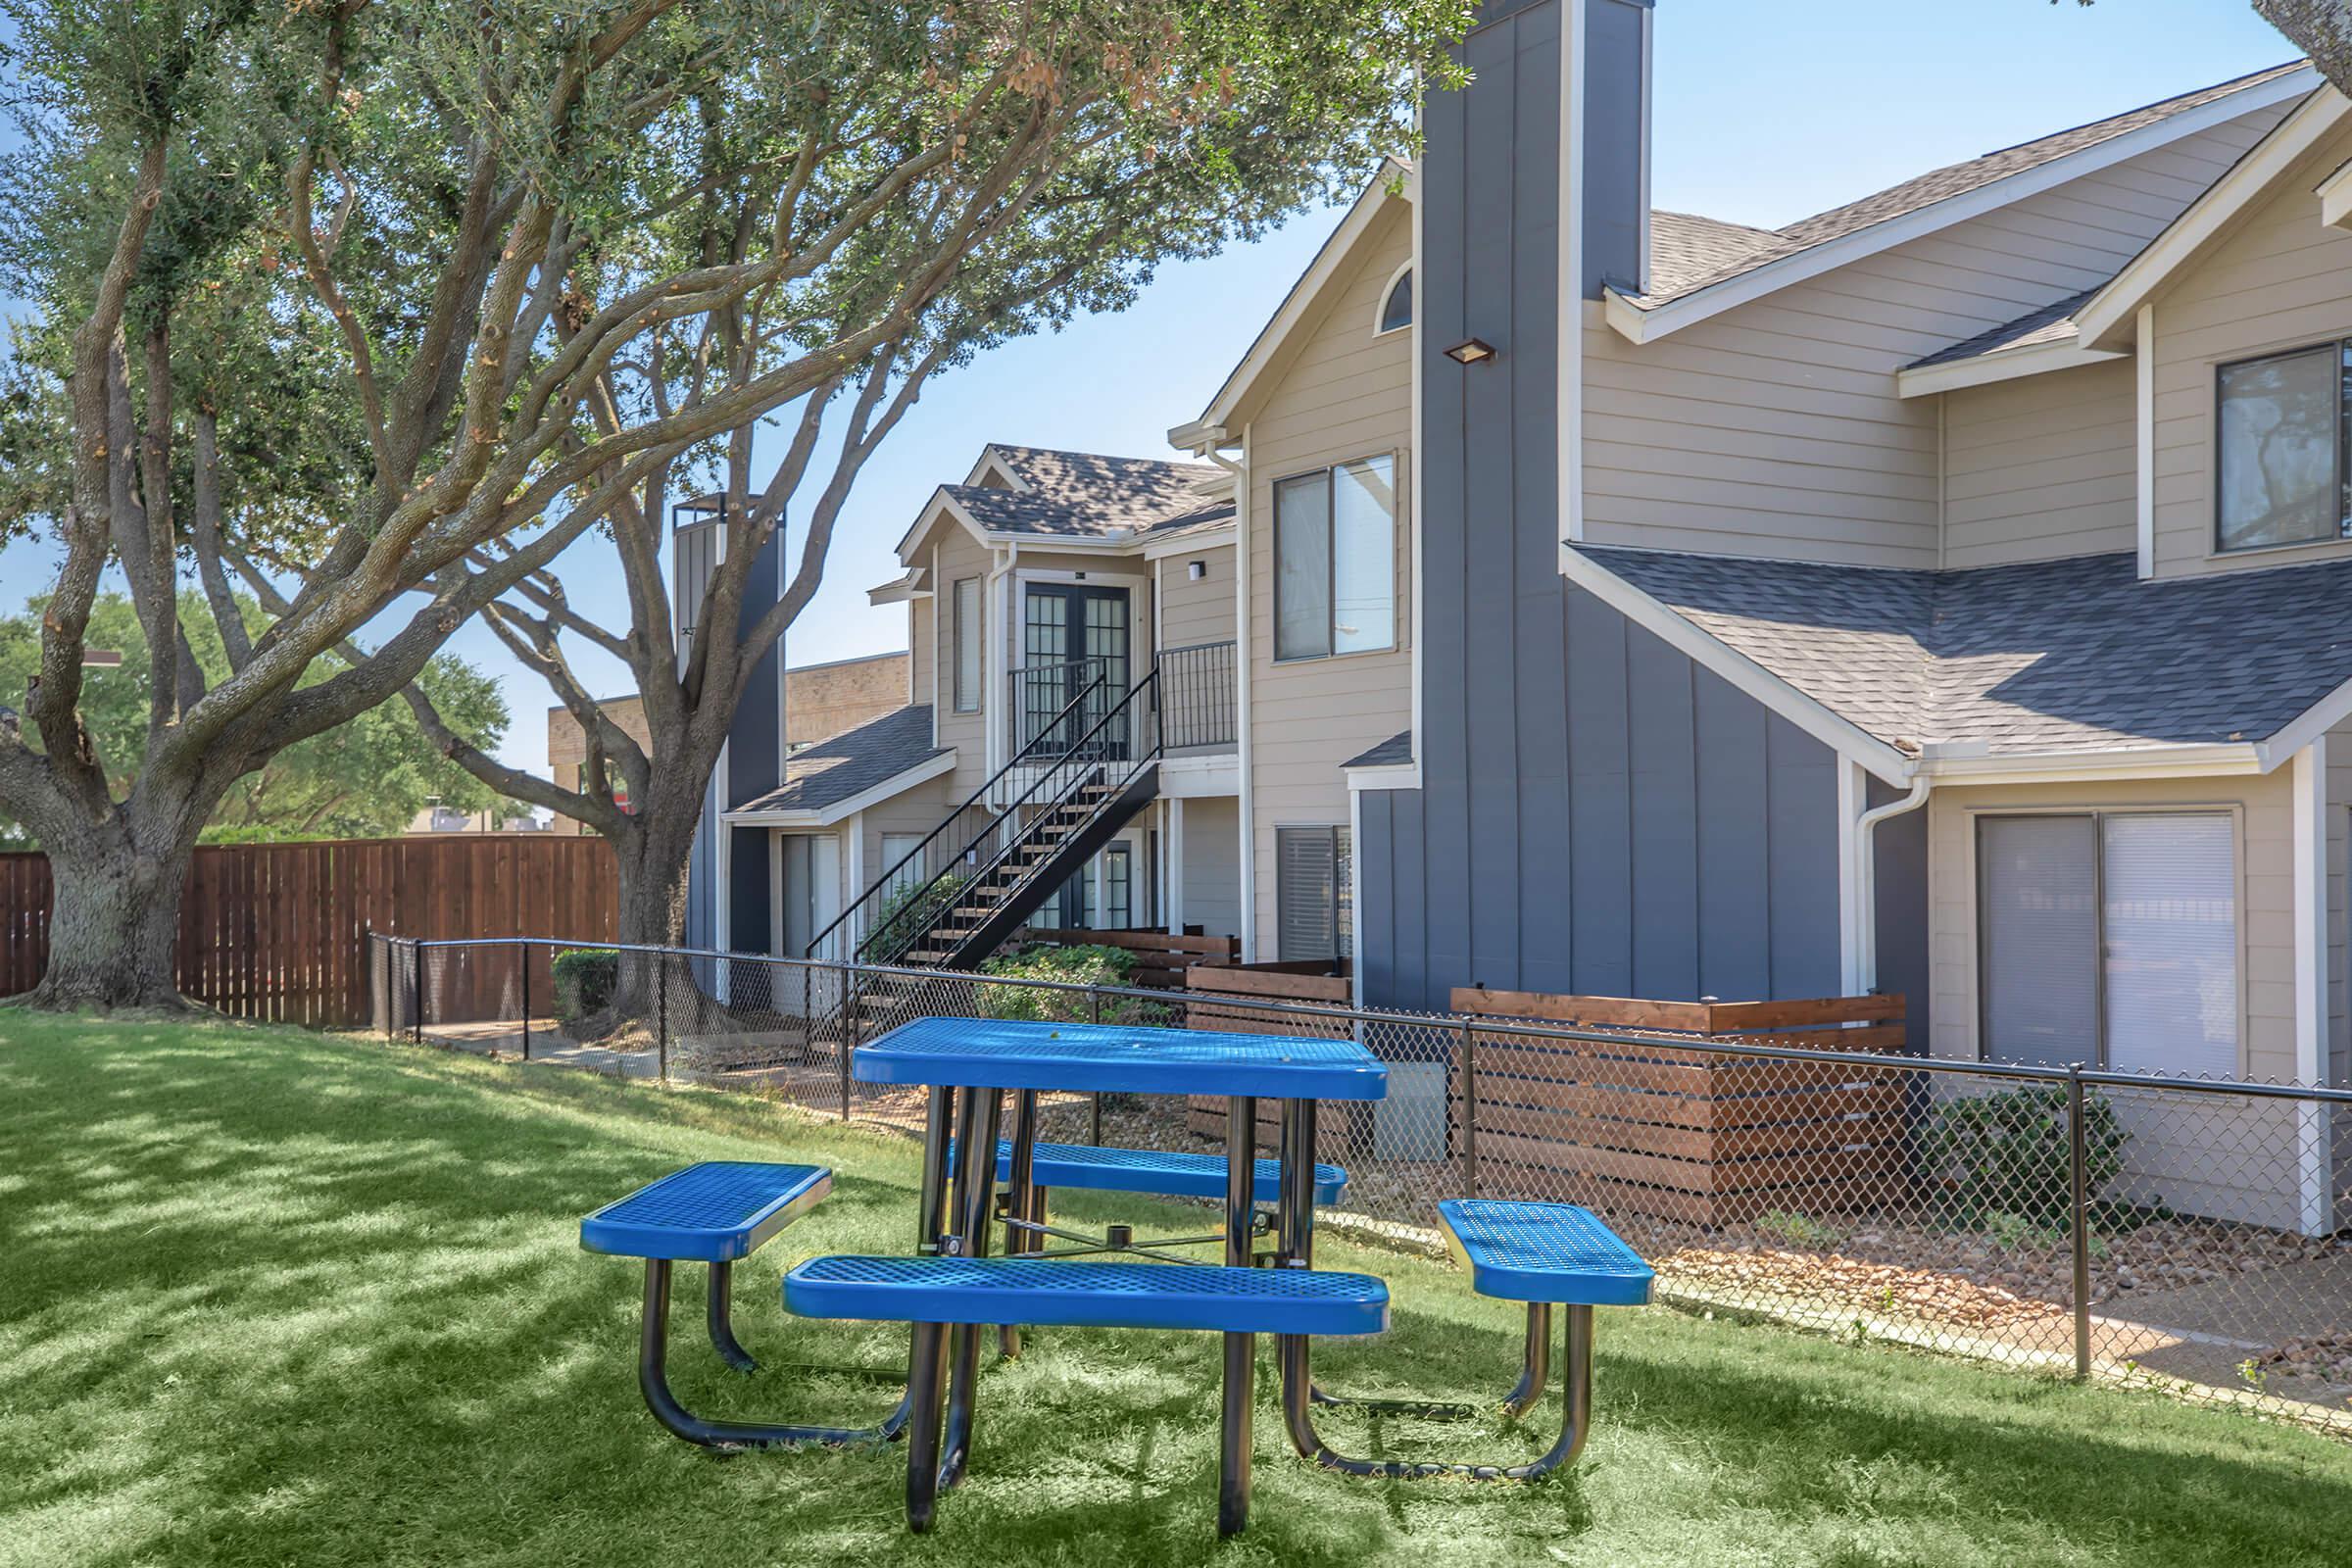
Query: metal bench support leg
point(926, 1382)
point(653, 1346)
point(1576, 1387)
point(1241, 1350)
point(722, 1319)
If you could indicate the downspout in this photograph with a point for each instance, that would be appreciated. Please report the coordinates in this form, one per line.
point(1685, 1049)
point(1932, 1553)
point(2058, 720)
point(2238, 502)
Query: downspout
point(1866, 874)
point(1241, 677)
point(997, 743)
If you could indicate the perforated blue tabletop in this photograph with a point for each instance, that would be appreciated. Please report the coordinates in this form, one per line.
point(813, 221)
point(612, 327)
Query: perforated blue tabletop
point(1118, 1059)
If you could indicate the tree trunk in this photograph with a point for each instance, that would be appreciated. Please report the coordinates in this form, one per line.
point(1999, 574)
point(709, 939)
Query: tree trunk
point(116, 923)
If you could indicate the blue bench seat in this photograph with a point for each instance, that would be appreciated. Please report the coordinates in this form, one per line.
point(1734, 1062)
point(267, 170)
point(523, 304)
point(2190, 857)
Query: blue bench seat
point(1548, 1253)
point(713, 1212)
point(1163, 1172)
point(1086, 1294)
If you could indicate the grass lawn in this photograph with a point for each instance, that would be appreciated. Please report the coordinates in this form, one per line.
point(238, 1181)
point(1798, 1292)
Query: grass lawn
point(269, 1297)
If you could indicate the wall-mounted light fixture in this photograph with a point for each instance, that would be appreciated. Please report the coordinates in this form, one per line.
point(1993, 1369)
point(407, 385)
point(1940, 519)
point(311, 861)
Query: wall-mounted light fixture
point(1470, 351)
point(1196, 569)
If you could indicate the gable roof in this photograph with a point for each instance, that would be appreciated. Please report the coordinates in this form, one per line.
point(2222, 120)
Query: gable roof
point(2030, 659)
point(854, 762)
point(1081, 496)
point(1391, 182)
point(2102, 319)
point(1941, 197)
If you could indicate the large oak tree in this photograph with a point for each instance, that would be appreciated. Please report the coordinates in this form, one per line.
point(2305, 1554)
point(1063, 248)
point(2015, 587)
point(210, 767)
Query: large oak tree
point(382, 305)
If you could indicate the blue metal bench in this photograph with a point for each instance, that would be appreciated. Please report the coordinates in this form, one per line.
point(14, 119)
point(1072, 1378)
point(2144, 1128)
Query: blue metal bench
point(1088, 1167)
point(934, 1292)
point(1545, 1254)
point(713, 1213)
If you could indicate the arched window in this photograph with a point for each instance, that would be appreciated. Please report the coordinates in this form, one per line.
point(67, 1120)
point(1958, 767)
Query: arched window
point(1396, 308)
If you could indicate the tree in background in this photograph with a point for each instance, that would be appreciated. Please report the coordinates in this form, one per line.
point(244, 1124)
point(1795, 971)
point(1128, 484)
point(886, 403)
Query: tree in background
point(363, 779)
point(379, 305)
point(2321, 29)
point(1153, 131)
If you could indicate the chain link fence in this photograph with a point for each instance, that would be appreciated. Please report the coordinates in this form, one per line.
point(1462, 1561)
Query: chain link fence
point(2171, 1232)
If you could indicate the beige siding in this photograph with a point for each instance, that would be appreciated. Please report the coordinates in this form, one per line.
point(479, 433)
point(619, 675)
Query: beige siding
point(959, 555)
point(2042, 467)
point(1194, 612)
point(920, 662)
point(2280, 280)
point(1212, 870)
point(2340, 904)
point(1775, 428)
point(915, 811)
point(2179, 1147)
point(1342, 394)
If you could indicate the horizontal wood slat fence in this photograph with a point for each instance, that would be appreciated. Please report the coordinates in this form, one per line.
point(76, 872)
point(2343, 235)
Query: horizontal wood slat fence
point(1204, 1114)
point(1160, 960)
point(272, 931)
point(1684, 1134)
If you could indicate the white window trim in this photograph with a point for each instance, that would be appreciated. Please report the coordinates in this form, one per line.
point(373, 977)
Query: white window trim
point(1399, 582)
point(1971, 814)
point(1380, 303)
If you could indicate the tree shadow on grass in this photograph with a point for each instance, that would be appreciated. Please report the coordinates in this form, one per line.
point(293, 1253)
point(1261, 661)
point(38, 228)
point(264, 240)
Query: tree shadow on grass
point(278, 1298)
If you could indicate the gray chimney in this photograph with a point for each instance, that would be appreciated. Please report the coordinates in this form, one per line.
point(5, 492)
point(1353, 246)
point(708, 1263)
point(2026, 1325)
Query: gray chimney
point(1616, 145)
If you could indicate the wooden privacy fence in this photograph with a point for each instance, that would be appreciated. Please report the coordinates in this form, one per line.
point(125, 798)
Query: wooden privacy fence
point(1267, 982)
point(1681, 1134)
point(272, 931)
point(1161, 960)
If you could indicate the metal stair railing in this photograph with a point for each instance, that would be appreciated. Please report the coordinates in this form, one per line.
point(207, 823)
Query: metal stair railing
point(1127, 737)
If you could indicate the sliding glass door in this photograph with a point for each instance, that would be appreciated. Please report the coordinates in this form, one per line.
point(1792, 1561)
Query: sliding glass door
point(2110, 938)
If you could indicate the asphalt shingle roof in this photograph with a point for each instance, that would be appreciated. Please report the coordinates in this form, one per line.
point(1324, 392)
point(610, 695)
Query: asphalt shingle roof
point(1393, 752)
point(1090, 495)
point(2077, 655)
point(2054, 322)
point(852, 762)
point(1939, 184)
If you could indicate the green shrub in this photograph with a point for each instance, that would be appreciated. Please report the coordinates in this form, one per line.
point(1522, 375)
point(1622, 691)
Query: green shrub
point(1799, 1229)
point(1088, 966)
point(908, 911)
point(2005, 1153)
point(585, 980)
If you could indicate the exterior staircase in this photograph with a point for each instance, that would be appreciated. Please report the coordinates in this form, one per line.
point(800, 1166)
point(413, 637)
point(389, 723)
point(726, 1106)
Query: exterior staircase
point(955, 897)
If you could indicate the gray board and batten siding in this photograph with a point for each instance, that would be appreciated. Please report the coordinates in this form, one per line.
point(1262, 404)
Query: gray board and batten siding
point(1597, 814)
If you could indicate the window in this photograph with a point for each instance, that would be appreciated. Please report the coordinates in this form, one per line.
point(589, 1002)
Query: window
point(2279, 436)
point(1314, 894)
point(2110, 938)
point(967, 645)
point(1397, 311)
point(1335, 560)
point(895, 847)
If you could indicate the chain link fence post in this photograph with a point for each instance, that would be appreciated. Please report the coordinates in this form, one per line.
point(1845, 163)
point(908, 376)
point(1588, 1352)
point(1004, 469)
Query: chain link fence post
point(2079, 1205)
point(855, 1006)
point(522, 959)
point(1469, 1112)
point(662, 1013)
point(1093, 1101)
point(416, 990)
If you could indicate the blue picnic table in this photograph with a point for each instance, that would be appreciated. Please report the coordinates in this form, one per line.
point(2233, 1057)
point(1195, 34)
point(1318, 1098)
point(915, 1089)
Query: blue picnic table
point(969, 1065)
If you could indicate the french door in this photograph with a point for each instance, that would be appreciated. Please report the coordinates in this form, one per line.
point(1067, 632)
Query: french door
point(1073, 641)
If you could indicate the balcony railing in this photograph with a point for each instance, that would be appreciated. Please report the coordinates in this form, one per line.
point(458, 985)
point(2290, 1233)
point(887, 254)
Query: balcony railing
point(1197, 707)
point(1197, 703)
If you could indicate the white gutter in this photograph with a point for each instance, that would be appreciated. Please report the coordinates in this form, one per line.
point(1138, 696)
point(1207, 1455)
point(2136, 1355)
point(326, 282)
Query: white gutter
point(1866, 877)
point(997, 743)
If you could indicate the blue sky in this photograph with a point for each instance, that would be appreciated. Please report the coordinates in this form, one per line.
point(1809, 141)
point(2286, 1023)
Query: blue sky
point(1765, 114)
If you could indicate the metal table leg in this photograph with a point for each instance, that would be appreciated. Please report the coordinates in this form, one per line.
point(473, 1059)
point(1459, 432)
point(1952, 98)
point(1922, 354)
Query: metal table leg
point(1241, 1350)
point(975, 1206)
point(1020, 1198)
